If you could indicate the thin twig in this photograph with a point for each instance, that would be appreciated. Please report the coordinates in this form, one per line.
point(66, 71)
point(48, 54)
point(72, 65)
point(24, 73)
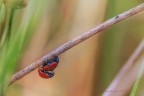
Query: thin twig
point(127, 66)
point(76, 41)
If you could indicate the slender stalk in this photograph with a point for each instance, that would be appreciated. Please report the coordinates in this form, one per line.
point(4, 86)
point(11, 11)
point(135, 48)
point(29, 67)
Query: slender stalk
point(77, 40)
point(137, 82)
point(1, 3)
point(125, 68)
point(10, 12)
point(10, 22)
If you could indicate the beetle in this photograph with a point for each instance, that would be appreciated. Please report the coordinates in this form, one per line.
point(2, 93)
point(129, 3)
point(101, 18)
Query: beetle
point(50, 65)
point(55, 59)
point(45, 74)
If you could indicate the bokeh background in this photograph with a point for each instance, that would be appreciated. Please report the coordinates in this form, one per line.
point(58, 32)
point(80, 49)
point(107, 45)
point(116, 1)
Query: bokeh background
point(39, 26)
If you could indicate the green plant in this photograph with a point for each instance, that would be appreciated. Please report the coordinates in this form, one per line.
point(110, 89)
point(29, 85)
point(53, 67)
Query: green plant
point(15, 33)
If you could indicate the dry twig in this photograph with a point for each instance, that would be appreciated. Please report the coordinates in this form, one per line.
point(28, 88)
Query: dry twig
point(76, 41)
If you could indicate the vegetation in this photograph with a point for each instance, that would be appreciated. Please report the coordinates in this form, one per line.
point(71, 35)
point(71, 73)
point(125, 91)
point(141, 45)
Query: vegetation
point(31, 28)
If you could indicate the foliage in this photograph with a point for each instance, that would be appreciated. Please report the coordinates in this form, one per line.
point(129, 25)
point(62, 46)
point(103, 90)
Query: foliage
point(15, 33)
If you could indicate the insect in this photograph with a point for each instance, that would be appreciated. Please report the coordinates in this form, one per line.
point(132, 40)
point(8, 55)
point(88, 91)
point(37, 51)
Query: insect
point(46, 70)
point(45, 74)
point(50, 65)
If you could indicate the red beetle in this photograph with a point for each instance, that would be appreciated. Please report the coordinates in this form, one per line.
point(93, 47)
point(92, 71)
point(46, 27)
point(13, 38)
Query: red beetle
point(50, 65)
point(45, 74)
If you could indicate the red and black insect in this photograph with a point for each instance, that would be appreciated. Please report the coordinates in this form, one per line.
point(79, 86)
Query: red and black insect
point(45, 74)
point(46, 71)
point(50, 65)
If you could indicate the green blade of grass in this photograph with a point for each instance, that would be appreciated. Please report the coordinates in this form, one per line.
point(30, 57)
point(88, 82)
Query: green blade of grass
point(1, 3)
point(136, 84)
point(11, 53)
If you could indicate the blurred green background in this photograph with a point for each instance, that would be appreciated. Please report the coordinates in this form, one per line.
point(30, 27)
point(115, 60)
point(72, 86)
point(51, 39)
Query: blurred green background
point(31, 28)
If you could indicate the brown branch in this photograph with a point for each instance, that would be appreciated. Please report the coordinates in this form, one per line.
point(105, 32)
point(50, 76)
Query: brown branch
point(76, 41)
point(127, 66)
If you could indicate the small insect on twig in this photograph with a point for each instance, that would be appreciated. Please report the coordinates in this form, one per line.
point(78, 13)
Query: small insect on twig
point(77, 40)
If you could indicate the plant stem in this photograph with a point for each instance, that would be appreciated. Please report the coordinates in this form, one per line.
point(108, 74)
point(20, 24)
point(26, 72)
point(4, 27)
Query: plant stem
point(77, 40)
point(137, 82)
point(116, 81)
point(12, 11)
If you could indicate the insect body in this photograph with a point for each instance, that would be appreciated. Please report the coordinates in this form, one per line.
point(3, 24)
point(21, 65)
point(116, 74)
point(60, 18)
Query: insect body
point(46, 71)
point(50, 65)
point(45, 74)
